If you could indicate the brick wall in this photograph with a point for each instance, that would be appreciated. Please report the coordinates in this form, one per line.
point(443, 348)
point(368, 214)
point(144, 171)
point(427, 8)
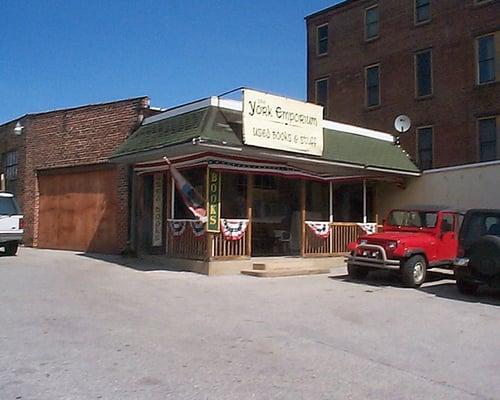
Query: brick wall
point(457, 100)
point(80, 136)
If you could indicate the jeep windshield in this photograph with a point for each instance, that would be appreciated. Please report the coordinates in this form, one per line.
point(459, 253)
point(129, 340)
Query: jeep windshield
point(8, 206)
point(413, 219)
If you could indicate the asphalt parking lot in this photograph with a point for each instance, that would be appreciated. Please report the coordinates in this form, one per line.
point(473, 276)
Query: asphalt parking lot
point(78, 327)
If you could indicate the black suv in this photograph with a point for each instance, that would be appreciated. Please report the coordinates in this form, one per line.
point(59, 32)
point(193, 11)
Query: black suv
point(479, 251)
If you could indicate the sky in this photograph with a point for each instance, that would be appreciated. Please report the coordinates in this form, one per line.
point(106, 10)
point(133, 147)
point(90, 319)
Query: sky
point(65, 53)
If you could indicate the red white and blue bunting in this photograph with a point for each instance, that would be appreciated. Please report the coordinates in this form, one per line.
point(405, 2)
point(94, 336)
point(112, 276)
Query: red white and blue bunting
point(233, 229)
point(198, 228)
point(368, 228)
point(177, 227)
point(320, 229)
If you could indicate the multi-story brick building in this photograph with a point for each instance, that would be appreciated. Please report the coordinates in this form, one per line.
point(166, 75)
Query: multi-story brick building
point(436, 61)
point(56, 163)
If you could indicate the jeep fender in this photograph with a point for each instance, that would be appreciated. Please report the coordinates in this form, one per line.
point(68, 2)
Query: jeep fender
point(414, 252)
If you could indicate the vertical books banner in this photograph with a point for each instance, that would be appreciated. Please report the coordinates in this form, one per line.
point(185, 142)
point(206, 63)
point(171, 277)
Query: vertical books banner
point(157, 210)
point(213, 200)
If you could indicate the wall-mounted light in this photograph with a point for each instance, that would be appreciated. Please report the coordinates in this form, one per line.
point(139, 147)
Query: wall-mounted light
point(18, 130)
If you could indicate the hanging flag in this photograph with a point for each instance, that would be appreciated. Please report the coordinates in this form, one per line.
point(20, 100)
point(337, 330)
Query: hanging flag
point(193, 200)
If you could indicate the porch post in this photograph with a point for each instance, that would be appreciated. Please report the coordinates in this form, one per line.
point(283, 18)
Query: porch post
point(364, 202)
point(249, 214)
point(330, 219)
point(303, 217)
point(133, 212)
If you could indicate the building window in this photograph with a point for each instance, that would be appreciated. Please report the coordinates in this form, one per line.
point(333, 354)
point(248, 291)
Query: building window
point(371, 23)
point(424, 147)
point(423, 73)
point(487, 139)
point(422, 11)
point(486, 59)
point(321, 95)
point(373, 86)
point(322, 39)
point(10, 170)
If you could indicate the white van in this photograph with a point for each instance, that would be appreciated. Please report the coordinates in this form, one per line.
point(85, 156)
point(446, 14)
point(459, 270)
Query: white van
point(11, 224)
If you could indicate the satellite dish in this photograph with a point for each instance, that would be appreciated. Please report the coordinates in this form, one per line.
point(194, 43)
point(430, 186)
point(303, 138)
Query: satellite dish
point(402, 123)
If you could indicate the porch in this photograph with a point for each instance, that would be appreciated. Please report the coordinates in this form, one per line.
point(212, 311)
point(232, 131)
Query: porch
point(261, 202)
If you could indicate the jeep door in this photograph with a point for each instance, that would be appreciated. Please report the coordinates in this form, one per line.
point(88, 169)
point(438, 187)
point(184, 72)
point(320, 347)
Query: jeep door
point(448, 237)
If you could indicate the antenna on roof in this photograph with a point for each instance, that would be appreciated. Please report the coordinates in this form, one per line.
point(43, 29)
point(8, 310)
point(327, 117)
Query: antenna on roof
point(402, 124)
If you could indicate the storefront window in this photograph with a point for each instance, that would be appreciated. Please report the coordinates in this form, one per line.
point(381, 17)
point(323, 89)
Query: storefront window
point(317, 201)
point(348, 202)
point(234, 196)
point(196, 177)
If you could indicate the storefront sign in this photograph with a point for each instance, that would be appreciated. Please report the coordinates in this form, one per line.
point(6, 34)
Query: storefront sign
point(282, 124)
point(157, 210)
point(213, 196)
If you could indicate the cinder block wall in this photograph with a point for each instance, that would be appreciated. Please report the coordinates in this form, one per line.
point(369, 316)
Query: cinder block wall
point(459, 188)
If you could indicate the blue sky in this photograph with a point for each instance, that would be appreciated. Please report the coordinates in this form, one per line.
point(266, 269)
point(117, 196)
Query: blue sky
point(65, 53)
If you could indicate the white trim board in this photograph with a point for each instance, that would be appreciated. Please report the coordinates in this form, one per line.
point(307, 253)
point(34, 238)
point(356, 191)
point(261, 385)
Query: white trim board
point(236, 105)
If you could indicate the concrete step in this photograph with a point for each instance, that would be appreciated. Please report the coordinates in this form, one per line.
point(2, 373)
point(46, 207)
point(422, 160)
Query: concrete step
point(283, 271)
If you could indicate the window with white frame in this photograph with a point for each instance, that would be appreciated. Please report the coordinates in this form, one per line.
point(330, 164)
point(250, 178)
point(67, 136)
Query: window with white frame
point(322, 39)
point(422, 11)
point(371, 23)
point(488, 135)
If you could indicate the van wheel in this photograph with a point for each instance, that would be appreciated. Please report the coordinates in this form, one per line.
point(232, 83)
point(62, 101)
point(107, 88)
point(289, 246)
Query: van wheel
point(11, 249)
point(414, 271)
point(356, 272)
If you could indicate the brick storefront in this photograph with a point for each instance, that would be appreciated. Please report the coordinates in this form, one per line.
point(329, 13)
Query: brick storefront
point(456, 102)
point(70, 141)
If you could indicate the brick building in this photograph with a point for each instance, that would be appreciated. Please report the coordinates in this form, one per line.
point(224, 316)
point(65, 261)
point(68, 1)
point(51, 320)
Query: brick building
point(436, 61)
point(56, 163)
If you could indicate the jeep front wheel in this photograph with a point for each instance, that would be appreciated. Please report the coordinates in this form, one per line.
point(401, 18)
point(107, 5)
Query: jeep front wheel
point(413, 271)
point(357, 272)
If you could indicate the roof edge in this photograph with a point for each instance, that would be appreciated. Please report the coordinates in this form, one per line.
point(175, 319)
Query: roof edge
point(75, 108)
point(325, 10)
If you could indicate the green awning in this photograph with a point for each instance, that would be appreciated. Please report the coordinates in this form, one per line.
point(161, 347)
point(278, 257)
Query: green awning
point(224, 126)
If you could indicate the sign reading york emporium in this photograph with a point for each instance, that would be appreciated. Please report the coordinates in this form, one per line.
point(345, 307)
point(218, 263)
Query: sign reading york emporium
point(282, 124)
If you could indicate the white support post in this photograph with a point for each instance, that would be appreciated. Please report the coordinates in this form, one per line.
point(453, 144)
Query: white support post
point(365, 220)
point(330, 203)
point(172, 203)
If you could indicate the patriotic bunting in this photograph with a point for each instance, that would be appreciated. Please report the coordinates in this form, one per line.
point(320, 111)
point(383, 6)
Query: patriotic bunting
point(368, 228)
point(177, 227)
point(320, 229)
point(198, 228)
point(234, 229)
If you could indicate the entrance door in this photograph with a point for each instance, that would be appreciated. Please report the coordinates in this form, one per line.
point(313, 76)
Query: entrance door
point(276, 216)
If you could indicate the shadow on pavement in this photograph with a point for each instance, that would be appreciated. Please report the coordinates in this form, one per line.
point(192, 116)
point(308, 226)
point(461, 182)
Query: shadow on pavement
point(437, 284)
point(149, 264)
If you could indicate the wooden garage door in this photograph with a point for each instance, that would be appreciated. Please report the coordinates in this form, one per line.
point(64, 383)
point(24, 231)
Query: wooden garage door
point(78, 211)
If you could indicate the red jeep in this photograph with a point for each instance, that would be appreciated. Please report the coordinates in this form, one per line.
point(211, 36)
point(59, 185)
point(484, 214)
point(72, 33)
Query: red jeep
point(411, 242)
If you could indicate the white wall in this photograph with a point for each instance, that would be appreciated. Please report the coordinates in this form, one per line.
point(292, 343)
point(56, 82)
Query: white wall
point(464, 187)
